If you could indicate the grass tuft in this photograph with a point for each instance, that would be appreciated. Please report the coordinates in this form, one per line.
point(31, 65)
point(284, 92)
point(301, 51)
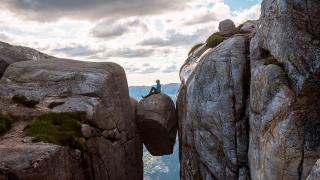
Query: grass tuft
point(195, 47)
point(58, 128)
point(5, 122)
point(24, 101)
point(214, 40)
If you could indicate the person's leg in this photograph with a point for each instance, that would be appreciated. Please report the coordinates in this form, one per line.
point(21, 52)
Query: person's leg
point(152, 91)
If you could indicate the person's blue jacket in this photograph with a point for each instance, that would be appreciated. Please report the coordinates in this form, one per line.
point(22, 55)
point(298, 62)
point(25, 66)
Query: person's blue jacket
point(158, 87)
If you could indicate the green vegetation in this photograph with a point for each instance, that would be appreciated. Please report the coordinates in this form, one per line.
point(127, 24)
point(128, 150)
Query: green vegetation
point(195, 47)
point(58, 128)
point(214, 40)
point(24, 101)
point(271, 60)
point(5, 122)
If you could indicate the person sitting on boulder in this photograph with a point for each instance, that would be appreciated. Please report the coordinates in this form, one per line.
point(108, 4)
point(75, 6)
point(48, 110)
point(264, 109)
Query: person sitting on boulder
point(154, 90)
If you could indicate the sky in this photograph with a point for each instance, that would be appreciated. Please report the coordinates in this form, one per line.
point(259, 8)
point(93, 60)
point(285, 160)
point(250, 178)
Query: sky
point(149, 39)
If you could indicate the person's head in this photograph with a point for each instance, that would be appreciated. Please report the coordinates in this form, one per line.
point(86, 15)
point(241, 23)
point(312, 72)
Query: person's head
point(157, 81)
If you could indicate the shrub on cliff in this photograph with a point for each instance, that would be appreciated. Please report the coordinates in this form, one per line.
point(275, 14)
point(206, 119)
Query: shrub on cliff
point(195, 47)
point(24, 101)
point(5, 122)
point(214, 40)
point(58, 128)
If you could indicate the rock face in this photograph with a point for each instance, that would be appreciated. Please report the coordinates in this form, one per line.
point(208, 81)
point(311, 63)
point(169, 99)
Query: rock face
point(227, 27)
point(284, 117)
point(10, 54)
point(114, 148)
point(256, 105)
point(157, 123)
point(211, 108)
point(315, 173)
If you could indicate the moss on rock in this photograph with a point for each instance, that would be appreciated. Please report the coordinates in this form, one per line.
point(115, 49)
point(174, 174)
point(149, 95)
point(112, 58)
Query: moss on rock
point(195, 47)
point(5, 122)
point(24, 101)
point(271, 60)
point(58, 128)
point(214, 40)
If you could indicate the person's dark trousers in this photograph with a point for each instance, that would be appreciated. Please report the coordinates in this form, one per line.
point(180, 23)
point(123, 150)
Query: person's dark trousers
point(153, 90)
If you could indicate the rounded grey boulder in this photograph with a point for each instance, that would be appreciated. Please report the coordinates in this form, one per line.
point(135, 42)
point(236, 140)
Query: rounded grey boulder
point(157, 124)
point(227, 27)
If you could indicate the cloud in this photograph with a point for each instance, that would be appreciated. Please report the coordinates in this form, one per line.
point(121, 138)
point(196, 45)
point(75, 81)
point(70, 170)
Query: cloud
point(173, 38)
point(76, 51)
point(150, 70)
point(5, 37)
point(105, 30)
point(170, 69)
point(48, 10)
point(202, 18)
point(129, 53)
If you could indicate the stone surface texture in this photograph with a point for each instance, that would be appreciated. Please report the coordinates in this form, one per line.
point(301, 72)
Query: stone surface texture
point(211, 109)
point(284, 103)
point(157, 123)
point(114, 148)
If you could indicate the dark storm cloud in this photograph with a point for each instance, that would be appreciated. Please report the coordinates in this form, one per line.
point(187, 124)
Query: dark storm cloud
point(173, 39)
point(47, 10)
point(108, 30)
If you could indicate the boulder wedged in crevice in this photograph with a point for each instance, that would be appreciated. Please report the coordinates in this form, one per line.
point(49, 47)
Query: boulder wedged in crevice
point(157, 124)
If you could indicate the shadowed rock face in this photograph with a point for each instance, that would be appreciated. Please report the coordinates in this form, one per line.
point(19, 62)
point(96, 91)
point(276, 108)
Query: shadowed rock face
point(114, 148)
point(157, 124)
point(284, 103)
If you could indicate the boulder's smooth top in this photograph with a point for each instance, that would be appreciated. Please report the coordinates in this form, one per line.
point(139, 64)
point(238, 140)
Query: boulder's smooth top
point(227, 27)
point(10, 54)
point(157, 123)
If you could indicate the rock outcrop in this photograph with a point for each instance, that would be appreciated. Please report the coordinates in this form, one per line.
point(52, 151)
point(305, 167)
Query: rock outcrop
point(211, 108)
point(157, 123)
point(315, 172)
point(114, 148)
point(227, 27)
point(254, 107)
point(10, 54)
point(284, 103)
